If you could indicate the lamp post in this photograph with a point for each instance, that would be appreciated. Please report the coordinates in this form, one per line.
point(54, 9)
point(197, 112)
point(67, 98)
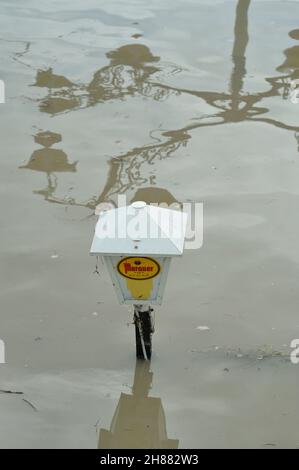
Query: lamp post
point(137, 243)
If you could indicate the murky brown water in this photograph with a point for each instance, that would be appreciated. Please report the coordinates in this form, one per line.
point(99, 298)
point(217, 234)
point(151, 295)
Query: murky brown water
point(162, 101)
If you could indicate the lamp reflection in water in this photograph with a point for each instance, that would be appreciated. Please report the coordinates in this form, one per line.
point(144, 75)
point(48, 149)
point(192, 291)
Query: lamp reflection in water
point(49, 161)
point(139, 420)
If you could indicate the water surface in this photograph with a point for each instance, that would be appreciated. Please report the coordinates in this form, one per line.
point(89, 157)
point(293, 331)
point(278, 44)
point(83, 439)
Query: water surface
point(163, 101)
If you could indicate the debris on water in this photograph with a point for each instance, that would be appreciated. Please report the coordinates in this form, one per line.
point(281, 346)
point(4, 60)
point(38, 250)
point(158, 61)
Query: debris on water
point(226, 369)
point(54, 256)
point(12, 392)
point(254, 355)
point(202, 328)
point(30, 404)
point(136, 36)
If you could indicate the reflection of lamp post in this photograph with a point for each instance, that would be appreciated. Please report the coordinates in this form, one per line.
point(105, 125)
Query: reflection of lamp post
point(236, 106)
point(49, 161)
point(61, 97)
point(139, 420)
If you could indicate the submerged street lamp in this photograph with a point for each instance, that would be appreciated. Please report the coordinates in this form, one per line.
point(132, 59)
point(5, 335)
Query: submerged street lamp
point(137, 243)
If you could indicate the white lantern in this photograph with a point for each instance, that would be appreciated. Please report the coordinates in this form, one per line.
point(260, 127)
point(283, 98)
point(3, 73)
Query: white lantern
point(137, 243)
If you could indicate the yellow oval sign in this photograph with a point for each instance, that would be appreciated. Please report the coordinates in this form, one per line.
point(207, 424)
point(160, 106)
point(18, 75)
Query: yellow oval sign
point(138, 268)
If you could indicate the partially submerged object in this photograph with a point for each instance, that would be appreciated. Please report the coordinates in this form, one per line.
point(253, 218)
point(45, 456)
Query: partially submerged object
point(137, 243)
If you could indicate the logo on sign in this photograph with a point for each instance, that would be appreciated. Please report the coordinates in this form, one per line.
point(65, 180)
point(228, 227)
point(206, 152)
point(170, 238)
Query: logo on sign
point(138, 268)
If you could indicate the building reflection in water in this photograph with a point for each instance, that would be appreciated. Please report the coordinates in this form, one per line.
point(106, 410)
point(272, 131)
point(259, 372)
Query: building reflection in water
point(139, 420)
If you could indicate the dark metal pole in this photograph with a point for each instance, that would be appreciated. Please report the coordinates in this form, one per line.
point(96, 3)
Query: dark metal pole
point(144, 328)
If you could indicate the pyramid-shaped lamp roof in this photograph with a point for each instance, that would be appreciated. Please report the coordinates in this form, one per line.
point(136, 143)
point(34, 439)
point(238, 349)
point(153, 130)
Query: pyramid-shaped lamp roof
point(140, 229)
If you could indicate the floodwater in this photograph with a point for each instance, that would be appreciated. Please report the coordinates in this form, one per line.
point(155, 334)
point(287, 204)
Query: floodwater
point(181, 100)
